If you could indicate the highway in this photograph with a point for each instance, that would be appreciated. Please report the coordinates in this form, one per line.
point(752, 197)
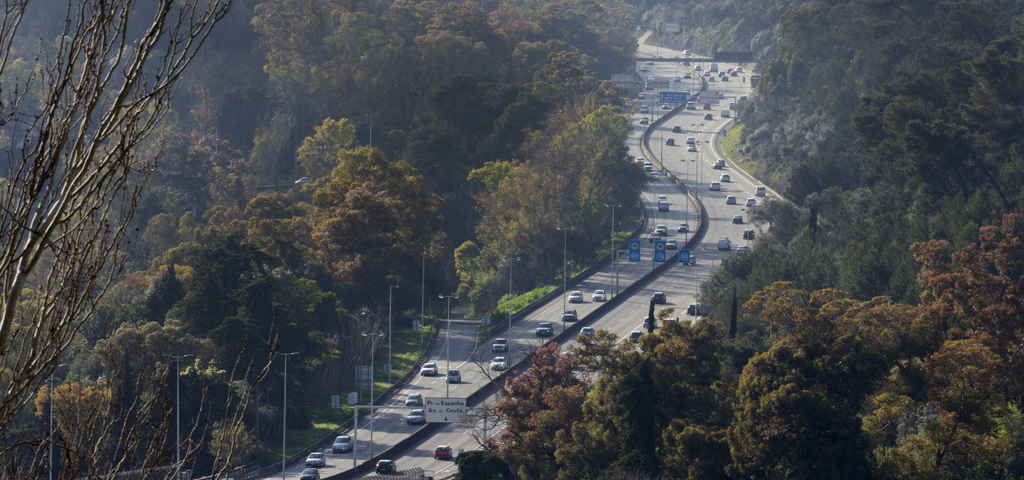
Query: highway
point(679, 282)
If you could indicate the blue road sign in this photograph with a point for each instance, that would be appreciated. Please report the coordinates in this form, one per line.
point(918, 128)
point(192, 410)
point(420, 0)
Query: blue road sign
point(684, 256)
point(673, 97)
point(634, 250)
point(659, 251)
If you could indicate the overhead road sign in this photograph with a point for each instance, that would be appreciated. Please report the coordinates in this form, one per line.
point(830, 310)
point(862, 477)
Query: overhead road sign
point(673, 97)
point(445, 410)
point(734, 56)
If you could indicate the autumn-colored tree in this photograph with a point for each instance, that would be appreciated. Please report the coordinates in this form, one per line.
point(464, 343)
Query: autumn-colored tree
point(535, 406)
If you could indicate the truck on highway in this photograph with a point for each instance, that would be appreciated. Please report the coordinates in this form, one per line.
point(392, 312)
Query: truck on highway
point(713, 67)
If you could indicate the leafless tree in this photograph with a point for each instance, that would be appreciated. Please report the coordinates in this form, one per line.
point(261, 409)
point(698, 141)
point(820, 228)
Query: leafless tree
point(77, 132)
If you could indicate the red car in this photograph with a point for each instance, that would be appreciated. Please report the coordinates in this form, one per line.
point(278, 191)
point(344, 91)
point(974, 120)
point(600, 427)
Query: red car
point(707, 106)
point(443, 452)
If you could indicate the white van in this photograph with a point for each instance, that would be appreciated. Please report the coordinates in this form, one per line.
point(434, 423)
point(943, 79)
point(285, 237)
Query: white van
point(714, 67)
point(724, 244)
point(725, 114)
point(759, 191)
point(715, 186)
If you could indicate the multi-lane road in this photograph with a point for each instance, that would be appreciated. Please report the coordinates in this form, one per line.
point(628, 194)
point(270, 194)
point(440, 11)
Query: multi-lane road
point(462, 351)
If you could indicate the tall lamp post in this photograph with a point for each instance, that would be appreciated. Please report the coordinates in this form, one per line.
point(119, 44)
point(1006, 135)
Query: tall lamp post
point(447, 348)
point(284, 413)
point(52, 398)
point(372, 372)
point(508, 344)
point(390, 331)
point(612, 270)
point(177, 402)
point(565, 267)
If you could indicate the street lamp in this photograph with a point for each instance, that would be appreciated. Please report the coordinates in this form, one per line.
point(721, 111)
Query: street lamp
point(447, 348)
point(391, 332)
point(508, 344)
point(372, 372)
point(565, 249)
point(52, 398)
point(612, 269)
point(177, 401)
point(284, 413)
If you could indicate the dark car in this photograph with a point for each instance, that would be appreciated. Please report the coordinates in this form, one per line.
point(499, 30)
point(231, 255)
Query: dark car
point(677, 129)
point(570, 315)
point(693, 309)
point(748, 234)
point(545, 330)
point(386, 466)
point(635, 335)
point(310, 474)
point(659, 297)
point(670, 141)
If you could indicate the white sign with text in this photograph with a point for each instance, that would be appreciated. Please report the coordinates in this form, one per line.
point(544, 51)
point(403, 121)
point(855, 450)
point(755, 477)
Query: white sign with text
point(445, 410)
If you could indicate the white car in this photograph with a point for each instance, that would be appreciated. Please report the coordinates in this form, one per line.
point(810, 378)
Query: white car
point(691, 148)
point(715, 186)
point(500, 345)
point(415, 417)
point(741, 248)
point(587, 331)
point(661, 229)
point(429, 369)
point(575, 296)
point(655, 176)
point(662, 198)
point(597, 296)
point(316, 460)
point(499, 363)
point(751, 202)
point(725, 178)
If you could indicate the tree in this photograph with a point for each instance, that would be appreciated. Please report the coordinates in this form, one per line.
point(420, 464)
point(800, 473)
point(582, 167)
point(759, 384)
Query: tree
point(318, 154)
point(80, 153)
point(482, 465)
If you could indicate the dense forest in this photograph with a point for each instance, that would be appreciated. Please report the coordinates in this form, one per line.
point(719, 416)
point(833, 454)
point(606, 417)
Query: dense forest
point(318, 152)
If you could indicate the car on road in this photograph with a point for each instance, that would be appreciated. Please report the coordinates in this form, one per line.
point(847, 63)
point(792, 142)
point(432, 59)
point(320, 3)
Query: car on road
point(644, 121)
point(415, 417)
point(414, 400)
point(650, 62)
point(670, 141)
point(428, 369)
point(661, 229)
point(659, 298)
point(499, 363)
point(316, 459)
point(730, 200)
point(715, 186)
point(644, 109)
point(640, 96)
point(442, 452)
point(310, 474)
point(654, 237)
point(677, 129)
point(691, 140)
point(693, 309)
point(677, 79)
point(643, 69)
point(570, 315)
point(342, 444)
point(386, 466)
point(725, 79)
point(725, 178)
point(683, 227)
point(453, 376)
point(751, 202)
point(500, 345)
point(741, 248)
point(670, 244)
point(691, 148)
point(759, 191)
point(697, 68)
point(656, 176)
point(650, 78)
point(635, 335)
point(587, 331)
point(598, 296)
point(544, 329)
point(691, 105)
point(708, 116)
point(687, 75)
point(724, 243)
point(748, 234)
point(738, 219)
point(662, 198)
point(575, 296)
point(304, 180)
point(648, 166)
point(707, 106)
point(666, 107)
